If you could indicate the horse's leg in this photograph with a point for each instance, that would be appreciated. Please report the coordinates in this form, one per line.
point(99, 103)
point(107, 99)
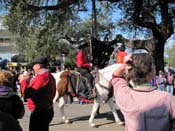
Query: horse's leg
point(114, 112)
point(93, 113)
point(61, 107)
point(56, 97)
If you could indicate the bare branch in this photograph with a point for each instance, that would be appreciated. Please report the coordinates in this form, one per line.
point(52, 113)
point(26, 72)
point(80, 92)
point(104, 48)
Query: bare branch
point(110, 0)
point(52, 7)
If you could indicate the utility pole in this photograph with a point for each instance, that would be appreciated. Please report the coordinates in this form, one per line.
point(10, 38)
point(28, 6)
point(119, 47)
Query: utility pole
point(94, 25)
point(94, 19)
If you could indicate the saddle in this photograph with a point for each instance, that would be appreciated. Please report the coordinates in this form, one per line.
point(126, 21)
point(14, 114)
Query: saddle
point(79, 85)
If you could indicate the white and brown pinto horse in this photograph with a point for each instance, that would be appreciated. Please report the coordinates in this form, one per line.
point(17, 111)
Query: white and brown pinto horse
point(102, 90)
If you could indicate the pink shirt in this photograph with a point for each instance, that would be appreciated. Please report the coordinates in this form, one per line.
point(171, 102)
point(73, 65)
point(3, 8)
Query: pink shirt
point(144, 109)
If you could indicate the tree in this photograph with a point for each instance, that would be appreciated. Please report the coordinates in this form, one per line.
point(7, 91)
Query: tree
point(35, 33)
point(38, 26)
point(154, 18)
point(170, 54)
point(157, 17)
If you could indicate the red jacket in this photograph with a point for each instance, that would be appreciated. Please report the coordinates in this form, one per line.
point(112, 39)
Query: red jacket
point(40, 91)
point(120, 56)
point(82, 60)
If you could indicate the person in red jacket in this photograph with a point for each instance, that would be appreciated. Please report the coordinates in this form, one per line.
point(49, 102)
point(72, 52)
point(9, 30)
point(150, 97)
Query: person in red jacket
point(83, 66)
point(121, 54)
point(39, 92)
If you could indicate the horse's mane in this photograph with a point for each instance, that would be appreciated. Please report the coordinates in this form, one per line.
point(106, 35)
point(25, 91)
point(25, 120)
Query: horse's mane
point(65, 73)
point(105, 74)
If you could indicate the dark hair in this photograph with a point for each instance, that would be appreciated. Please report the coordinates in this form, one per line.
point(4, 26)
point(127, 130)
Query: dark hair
point(141, 67)
point(121, 48)
point(170, 71)
point(83, 45)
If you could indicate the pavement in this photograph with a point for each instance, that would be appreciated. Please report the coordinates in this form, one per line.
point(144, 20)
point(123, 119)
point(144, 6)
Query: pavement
point(78, 115)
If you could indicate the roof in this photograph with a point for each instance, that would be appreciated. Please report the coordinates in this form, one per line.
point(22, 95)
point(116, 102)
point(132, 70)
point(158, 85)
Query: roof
point(7, 49)
point(4, 34)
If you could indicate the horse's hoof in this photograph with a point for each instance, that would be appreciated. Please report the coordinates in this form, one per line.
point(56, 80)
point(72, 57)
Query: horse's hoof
point(97, 113)
point(68, 122)
point(93, 125)
point(120, 123)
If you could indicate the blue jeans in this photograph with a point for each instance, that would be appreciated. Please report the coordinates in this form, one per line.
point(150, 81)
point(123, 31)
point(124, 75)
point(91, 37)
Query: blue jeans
point(161, 87)
point(170, 88)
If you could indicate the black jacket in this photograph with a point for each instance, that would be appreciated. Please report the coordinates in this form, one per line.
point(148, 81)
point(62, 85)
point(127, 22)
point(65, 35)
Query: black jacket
point(12, 104)
point(8, 123)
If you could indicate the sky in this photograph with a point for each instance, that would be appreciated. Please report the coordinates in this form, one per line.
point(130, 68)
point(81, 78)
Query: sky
point(84, 14)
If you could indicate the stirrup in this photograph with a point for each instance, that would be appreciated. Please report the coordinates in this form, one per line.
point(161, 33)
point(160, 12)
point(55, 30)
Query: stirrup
point(91, 97)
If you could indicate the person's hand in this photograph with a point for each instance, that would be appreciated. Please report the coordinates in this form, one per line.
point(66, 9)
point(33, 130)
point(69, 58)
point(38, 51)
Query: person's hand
point(91, 64)
point(128, 62)
point(21, 77)
point(127, 59)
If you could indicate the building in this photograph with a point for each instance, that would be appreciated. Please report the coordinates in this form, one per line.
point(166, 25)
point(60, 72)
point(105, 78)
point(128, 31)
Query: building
point(6, 46)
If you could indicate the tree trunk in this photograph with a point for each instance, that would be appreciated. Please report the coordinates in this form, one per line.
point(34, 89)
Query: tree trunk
point(158, 55)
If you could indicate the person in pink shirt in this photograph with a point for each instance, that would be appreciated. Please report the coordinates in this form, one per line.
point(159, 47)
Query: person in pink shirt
point(144, 108)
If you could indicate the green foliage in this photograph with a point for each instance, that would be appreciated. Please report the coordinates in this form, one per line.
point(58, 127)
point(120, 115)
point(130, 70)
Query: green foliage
point(38, 26)
point(39, 32)
point(70, 62)
point(170, 54)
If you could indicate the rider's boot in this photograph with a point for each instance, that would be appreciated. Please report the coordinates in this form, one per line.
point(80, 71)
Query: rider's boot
point(91, 96)
point(92, 93)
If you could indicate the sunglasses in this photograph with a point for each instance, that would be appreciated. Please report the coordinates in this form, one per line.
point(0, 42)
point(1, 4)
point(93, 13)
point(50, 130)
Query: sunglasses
point(141, 51)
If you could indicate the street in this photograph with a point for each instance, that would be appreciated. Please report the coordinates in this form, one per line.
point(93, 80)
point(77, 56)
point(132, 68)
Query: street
point(79, 115)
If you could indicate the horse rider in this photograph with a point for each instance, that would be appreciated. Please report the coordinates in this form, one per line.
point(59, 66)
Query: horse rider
point(120, 53)
point(83, 66)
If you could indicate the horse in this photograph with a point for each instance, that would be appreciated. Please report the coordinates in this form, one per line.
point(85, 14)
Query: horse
point(101, 51)
point(103, 92)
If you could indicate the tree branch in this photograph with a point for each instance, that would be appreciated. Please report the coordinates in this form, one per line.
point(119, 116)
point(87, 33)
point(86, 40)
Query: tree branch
point(110, 0)
point(52, 7)
point(141, 44)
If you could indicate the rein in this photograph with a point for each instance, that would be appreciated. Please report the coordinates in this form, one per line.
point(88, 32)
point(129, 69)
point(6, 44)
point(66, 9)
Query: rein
point(103, 86)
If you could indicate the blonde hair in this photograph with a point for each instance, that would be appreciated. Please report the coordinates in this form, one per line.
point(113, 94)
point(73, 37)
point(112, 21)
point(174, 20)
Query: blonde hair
point(6, 78)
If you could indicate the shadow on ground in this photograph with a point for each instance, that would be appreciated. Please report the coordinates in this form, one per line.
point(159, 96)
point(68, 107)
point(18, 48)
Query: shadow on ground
point(107, 115)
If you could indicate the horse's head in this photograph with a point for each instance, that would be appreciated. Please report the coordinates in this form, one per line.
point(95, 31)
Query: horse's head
point(101, 53)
